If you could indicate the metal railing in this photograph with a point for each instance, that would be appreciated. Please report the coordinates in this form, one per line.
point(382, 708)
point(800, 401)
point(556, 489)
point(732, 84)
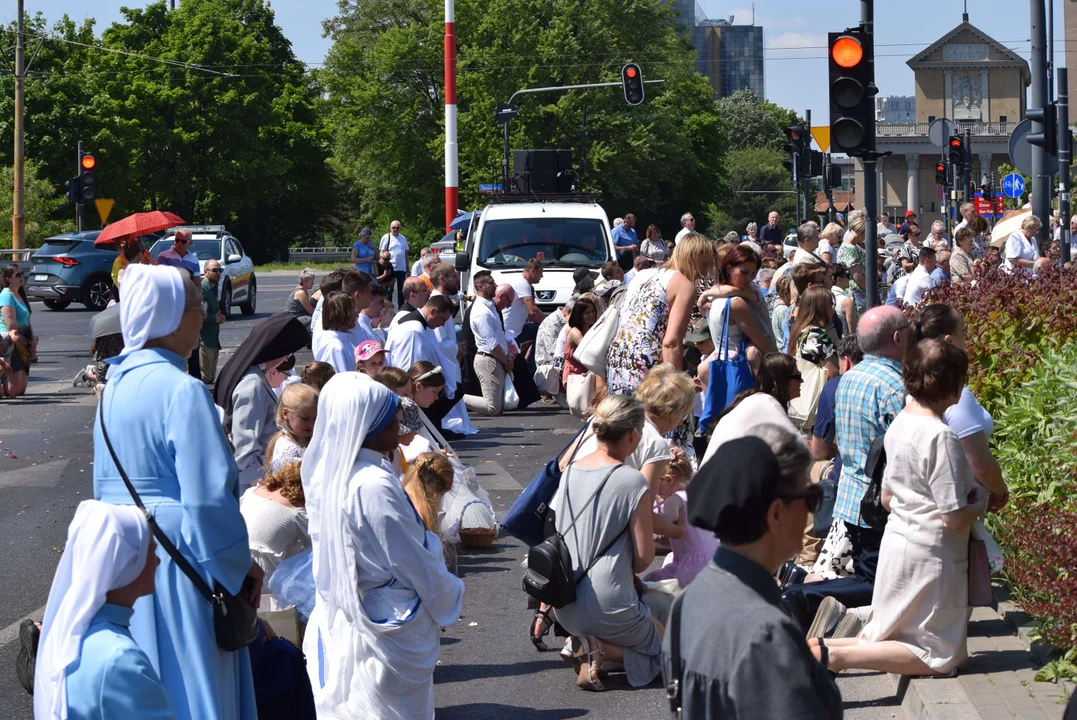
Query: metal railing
point(920, 129)
point(319, 254)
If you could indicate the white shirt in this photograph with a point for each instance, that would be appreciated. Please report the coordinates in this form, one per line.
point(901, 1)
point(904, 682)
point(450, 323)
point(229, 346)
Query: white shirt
point(398, 250)
point(960, 225)
point(408, 343)
point(336, 348)
point(486, 327)
point(629, 275)
point(919, 281)
point(1020, 247)
point(899, 287)
point(515, 315)
point(363, 330)
point(559, 346)
point(416, 268)
point(652, 447)
point(825, 248)
point(684, 231)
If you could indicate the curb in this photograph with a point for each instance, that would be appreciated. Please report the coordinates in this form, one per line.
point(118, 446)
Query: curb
point(1022, 625)
point(933, 698)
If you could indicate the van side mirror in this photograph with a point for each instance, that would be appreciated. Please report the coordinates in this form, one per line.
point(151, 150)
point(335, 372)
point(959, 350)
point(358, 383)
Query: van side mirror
point(463, 261)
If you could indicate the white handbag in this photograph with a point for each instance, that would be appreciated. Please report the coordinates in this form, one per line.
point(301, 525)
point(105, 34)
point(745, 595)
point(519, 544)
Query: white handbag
point(595, 345)
point(548, 379)
point(802, 409)
point(579, 392)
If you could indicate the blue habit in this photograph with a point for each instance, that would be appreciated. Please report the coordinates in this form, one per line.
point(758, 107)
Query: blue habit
point(166, 432)
point(113, 678)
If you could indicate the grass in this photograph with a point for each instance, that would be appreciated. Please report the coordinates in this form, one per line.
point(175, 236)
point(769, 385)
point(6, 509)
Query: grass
point(297, 266)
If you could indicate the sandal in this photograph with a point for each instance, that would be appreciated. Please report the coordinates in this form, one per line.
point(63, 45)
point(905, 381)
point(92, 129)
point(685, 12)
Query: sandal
point(541, 616)
point(589, 662)
point(824, 656)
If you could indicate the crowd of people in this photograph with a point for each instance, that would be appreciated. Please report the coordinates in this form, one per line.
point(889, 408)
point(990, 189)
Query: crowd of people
point(744, 414)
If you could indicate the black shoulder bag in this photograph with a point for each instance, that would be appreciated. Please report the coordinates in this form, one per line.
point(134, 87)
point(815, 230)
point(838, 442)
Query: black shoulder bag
point(872, 511)
point(549, 577)
point(674, 690)
point(235, 619)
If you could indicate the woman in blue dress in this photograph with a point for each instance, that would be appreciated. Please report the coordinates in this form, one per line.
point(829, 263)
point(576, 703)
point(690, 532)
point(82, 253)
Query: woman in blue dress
point(364, 252)
point(88, 665)
point(166, 433)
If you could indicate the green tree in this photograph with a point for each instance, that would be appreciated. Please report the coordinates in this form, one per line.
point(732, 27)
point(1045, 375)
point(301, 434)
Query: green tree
point(751, 170)
point(755, 123)
point(384, 84)
point(42, 207)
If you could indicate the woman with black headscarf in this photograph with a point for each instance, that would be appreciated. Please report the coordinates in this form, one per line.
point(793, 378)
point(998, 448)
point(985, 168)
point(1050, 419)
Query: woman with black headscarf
point(250, 405)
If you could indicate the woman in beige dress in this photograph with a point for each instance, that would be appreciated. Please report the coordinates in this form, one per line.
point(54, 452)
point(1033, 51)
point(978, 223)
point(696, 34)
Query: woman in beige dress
point(918, 622)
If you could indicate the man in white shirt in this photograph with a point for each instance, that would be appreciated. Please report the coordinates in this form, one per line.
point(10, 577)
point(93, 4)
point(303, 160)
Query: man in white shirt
point(397, 245)
point(523, 316)
point(642, 262)
point(807, 242)
point(416, 293)
point(920, 280)
point(448, 411)
point(412, 339)
point(364, 324)
point(688, 225)
point(492, 358)
point(417, 267)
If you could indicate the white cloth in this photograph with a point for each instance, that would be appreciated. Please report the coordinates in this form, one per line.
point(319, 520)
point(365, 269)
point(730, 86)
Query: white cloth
point(151, 306)
point(398, 250)
point(363, 331)
point(456, 419)
point(417, 268)
point(899, 287)
point(486, 327)
point(683, 231)
point(1017, 247)
point(335, 347)
point(106, 549)
point(316, 321)
point(275, 532)
point(918, 283)
point(562, 338)
point(825, 248)
point(515, 315)
point(753, 411)
point(408, 343)
point(382, 586)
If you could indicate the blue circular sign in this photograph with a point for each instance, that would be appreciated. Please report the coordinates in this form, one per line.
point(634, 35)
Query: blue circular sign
point(1013, 185)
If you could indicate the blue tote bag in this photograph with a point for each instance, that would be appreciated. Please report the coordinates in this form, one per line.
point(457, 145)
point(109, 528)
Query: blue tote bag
point(728, 377)
point(526, 519)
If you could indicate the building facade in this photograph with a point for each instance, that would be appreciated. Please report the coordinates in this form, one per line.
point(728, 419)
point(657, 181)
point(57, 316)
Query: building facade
point(974, 81)
point(895, 109)
point(730, 56)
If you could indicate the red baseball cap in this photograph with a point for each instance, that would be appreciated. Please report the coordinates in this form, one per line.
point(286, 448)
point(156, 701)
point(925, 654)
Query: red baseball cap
point(909, 214)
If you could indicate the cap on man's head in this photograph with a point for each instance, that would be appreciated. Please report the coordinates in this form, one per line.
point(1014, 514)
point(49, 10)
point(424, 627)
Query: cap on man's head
point(698, 333)
point(731, 493)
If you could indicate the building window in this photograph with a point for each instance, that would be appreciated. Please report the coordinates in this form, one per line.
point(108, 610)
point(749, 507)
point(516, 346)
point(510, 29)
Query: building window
point(931, 118)
point(1002, 118)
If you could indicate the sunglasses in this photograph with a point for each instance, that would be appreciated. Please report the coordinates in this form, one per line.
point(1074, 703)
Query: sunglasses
point(811, 495)
point(213, 270)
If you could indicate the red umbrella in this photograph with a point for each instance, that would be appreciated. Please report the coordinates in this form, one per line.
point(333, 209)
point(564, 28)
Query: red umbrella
point(139, 224)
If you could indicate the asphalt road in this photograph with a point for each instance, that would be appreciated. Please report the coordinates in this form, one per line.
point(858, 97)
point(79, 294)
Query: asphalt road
point(487, 669)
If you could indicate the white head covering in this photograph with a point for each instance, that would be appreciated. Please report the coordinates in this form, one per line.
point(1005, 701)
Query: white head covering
point(106, 549)
point(351, 406)
point(151, 304)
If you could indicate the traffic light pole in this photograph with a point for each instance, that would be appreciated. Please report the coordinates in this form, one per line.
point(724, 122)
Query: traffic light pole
point(869, 160)
point(1041, 179)
point(966, 170)
point(78, 205)
point(809, 206)
point(1064, 159)
point(18, 214)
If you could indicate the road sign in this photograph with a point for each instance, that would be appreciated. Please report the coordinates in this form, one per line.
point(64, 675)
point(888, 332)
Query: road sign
point(1021, 150)
point(942, 193)
point(939, 131)
point(821, 133)
point(987, 208)
point(1013, 185)
point(104, 208)
point(489, 188)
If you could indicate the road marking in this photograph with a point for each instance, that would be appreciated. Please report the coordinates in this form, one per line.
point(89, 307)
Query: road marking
point(494, 477)
point(11, 632)
point(46, 475)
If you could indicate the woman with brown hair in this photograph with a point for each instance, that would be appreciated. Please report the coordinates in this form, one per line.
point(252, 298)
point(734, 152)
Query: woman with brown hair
point(578, 381)
point(815, 341)
point(336, 344)
point(20, 343)
point(654, 247)
point(749, 319)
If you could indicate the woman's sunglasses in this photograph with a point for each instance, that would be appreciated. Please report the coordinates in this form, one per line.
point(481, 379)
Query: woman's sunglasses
point(811, 495)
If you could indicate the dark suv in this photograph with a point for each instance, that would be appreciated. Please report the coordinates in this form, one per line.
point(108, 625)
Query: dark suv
point(69, 268)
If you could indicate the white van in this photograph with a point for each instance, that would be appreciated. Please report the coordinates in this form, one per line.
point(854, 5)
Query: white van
point(563, 235)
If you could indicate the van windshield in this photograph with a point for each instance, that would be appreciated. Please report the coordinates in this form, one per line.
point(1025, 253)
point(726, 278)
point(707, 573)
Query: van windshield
point(555, 241)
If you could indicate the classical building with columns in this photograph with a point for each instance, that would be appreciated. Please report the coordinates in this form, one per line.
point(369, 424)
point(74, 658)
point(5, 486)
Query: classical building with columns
point(970, 79)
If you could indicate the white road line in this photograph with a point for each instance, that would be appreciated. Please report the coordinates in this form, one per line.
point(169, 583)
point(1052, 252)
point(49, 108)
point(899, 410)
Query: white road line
point(11, 632)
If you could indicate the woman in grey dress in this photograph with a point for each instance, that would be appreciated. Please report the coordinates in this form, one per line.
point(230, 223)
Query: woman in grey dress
point(615, 533)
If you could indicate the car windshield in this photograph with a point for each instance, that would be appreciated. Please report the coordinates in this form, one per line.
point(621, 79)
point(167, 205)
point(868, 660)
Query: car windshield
point(203, 249)
point(555, 241)
point(55, 247)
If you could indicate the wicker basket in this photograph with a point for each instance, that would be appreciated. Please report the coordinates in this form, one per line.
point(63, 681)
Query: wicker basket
point(477, 538)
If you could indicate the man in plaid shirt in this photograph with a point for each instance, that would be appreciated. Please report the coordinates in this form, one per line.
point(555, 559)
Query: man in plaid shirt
point(869, 398)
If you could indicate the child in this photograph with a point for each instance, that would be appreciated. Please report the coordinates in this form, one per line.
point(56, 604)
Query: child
point(317, 374)
point(426, 482)
point(296, 413)
point(384, 269)
point(396, 380)
point(369, 358)
point(694, 550)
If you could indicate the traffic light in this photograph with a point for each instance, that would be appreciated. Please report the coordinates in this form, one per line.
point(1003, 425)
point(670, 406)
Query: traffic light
point(632, 81)
point(87, 178)
point(940, 174)
point(833, 176)
point(1048, 139)
point(73, 190)
point(957, 152)
point(798, 145)
point(852, 91)
point(815, 163)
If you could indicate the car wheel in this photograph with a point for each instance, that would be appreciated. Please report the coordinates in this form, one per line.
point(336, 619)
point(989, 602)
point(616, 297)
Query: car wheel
point(96, 292)
point(56, 304)
point(226, 302)
point(251, 304)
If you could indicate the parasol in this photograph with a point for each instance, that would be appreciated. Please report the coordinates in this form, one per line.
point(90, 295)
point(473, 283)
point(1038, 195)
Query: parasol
point(106, 322)
point(138, 224)
point(1008, 225)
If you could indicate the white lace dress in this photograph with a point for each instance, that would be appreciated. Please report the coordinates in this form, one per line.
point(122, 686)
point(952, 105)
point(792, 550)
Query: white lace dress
point(275, 532)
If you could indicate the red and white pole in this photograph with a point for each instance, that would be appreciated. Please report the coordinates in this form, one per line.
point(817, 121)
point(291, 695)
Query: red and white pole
point(452, 181)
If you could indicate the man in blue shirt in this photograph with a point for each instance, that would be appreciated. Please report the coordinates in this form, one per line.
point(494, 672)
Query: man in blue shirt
point(626, 241)
point(179, 256)
point(941, 273)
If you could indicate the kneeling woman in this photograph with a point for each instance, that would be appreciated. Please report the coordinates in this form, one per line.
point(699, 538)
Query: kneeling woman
point(382, 586)
point(613, 540)
point(88, 666)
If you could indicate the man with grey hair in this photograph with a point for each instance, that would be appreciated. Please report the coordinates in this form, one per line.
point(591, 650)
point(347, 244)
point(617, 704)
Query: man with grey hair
point(418, 267)
point(771, 233)
point(397, 246)
point(210, 338)
point(484, 336)
point(688, 225)
point(180, 256)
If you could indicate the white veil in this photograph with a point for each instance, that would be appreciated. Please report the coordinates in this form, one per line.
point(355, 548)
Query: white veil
point(106, 549)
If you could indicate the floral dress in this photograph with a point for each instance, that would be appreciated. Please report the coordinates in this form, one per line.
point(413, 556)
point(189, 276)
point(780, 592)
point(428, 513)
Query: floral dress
point(849, 255)
point(815, 346)
point(637, 345)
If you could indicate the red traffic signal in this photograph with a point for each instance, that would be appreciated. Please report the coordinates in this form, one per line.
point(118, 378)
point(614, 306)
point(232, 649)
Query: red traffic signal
point(632, 83)
point(87, 162)
point(847, 52)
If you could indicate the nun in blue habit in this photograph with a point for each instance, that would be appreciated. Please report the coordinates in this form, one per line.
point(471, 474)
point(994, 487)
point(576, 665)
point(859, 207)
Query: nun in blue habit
point(165, 430)
point(88, 666)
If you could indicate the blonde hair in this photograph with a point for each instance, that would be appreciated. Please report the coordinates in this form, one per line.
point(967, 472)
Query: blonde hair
point(616, 416)
point(1031, 222)
point(694, 257)
point(427, 480)
point(680, 469)
point(293, 397)
point(858, 225)
point(666, 393)
point(832, 230)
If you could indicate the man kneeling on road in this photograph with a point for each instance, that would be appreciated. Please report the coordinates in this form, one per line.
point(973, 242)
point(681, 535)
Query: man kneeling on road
point(484, 330)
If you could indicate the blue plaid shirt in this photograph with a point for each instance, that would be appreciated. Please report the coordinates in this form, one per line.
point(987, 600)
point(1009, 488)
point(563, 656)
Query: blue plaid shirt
point(869, 398)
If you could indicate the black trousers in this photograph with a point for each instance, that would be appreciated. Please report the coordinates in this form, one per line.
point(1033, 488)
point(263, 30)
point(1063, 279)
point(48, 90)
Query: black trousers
point(401, 276)
point(441, 407)
point(194, 366)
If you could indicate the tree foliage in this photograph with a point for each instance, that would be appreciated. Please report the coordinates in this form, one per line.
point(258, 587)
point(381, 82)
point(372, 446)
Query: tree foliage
point(751, 170)
point(42, 205)
point(226, 131)
point(384, 89)
point(755, 123)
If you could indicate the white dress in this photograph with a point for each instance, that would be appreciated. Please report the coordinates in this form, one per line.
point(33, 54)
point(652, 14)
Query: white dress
point(274, 531)
point(921, 584)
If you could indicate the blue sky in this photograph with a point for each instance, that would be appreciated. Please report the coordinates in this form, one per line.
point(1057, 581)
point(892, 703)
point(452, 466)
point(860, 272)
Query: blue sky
point(794, 34)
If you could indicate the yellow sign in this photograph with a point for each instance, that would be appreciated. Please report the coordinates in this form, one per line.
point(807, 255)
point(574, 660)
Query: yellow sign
point(821, 133)
point(104, 208)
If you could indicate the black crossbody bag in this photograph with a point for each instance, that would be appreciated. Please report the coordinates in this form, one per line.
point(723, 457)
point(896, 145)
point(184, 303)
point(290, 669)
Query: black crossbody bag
point(674, 689)
point(235, 619)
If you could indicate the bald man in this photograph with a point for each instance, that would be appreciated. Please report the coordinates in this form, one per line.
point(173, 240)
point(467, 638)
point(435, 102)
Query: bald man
point(416, 293)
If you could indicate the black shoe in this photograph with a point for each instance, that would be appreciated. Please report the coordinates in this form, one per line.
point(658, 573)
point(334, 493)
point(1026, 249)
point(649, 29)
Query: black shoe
point(451, 435)
point(29, 636)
